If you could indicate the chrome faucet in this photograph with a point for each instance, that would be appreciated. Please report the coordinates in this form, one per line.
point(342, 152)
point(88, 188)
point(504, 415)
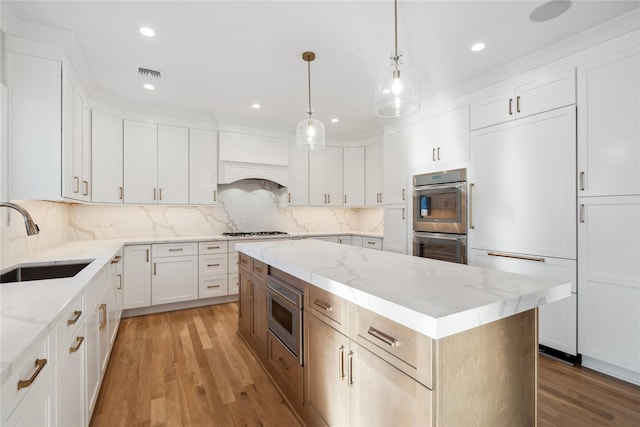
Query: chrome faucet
point(32, 227)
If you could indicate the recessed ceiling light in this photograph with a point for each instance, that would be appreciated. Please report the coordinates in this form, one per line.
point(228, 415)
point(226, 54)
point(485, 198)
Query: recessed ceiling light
point(255, 106)
point(148, 32)
point(335, 120)
point(149, 86)
point(477, 47)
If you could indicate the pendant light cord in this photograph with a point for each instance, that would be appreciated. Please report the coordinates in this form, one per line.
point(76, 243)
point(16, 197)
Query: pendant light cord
point(309, 112)
point(395, 27)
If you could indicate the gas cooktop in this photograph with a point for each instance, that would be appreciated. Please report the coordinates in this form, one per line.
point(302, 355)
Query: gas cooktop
point(253, 233)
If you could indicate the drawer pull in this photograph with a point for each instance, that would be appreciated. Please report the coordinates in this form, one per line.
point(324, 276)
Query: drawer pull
point(76, 315)
point(103, 317)
point(26, 383)
point(283, 364)
point(119, 281)
point(258, 269)
point(387, 339)
point(323, 305)
point(213, 286)
point(341, 354)
point(243, 261)
point(86, 188)
point(213, 265)
point(524, 258)
point(176, 250)
point(213, 247)
point(79, 341)
point(350, 368)
point(370, 243)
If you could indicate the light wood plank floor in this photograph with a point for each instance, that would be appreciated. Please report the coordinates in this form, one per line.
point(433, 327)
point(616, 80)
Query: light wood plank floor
point(190, 368)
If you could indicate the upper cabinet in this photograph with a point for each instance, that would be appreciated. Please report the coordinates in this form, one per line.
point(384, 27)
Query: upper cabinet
point(106, 167)
point(325, 176)
point(608, 131)
point(353, 176)
point(298, 188)
point(395, 168)
point(203, 167)
point(373, 174)
point(173, 165)
point(542, 94)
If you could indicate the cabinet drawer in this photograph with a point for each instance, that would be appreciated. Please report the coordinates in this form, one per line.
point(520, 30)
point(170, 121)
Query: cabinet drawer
point(330, 308)
point(174, 249)
point(213, 264)
point(213, 247)
point(259, 269)
point(286, 368)
point(402, 347)
point(372, 243)
point(212, 286)
point(71, 318)
point(232, 265)
point(33, 364)
point(234, 283)
point(244, 261)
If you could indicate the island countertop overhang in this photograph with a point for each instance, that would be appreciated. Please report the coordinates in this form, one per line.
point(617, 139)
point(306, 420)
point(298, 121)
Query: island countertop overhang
point(434, 298)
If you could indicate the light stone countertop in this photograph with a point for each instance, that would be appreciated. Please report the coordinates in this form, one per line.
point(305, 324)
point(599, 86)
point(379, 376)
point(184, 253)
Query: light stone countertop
point(432, 297)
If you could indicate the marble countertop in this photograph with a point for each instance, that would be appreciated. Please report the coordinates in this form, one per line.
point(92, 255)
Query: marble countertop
point(432, 297)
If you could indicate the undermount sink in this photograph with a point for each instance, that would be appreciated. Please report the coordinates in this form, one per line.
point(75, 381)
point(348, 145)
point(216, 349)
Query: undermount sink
point(42, 271)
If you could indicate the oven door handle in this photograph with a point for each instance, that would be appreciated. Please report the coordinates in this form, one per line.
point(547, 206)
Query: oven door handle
point(455, 237)
point(451, 186)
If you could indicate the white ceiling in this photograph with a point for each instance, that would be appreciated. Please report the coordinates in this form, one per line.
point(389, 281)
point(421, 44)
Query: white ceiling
point(222, 56)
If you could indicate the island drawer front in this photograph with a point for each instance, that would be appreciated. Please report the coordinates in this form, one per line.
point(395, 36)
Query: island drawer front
point(213, 264)
point(72, 317)
point(234, 283)
point(244, 261)
point(174, 249)
point(35, 363)
point(404, 348)
point(213, 248)
point(286, 367)
point(233, 262)
point(212, 286)
point(259, 269)
point(372, 243)
point(328, 307)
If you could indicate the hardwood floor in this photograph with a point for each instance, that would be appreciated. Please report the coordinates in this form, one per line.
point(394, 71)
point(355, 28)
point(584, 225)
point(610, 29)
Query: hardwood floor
point(190, 368)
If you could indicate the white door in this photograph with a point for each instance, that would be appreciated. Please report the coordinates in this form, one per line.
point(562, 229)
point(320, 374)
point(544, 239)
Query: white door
point(608, 131)
point(137, 276)
point(106, 145)
point(140, 162)
point(173, 165)
point(317, 177)
point(394, 169)
point(395, 229)
point(78, 145)
point(298, 188)
point(452, 143)
point(498, 108)
point(522, 178)
point(547, 93)
point(373, 174)
point(92, 361)
point(203, 167)
point(333, 175)
point(609, 280)
point(71, 177)
point(174, 279)
point(70, 384)
point(354, 170)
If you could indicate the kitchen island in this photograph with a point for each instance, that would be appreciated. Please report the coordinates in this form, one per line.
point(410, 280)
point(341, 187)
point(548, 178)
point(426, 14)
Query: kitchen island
point(418, 341)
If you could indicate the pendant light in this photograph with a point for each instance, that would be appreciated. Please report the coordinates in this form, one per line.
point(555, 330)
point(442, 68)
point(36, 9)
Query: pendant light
point(397, 88)
point(310, 131)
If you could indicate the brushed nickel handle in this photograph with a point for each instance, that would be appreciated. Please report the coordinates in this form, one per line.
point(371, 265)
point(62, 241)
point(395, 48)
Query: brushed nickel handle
point(369, 242)
point(323, 305)
point(212, 286)
point(160, 194)
point(147, 255)
point(581, 180)
point(121, 193)
point(438, 153)
point(213, 265)
point(289, 195)
point(581, 212)
point(385, 338)
point(155, 272)
point(213, 247)
point(345, 199)
point(511, 106)
point(433, 154)
point(325, 199)
point(79, 341)
point(471, 224)
point(403, 193)
point(403, 216)
point(283, 364)
point(76, 315)
point(154, 194)
point(103, 321)
point(176, 249)
point(76, 188)
point(329, 198)
point(86, 188)
point(520, 257)
point(341, 374)
point(381, 200)
point(215, 195)
point(350, 368)
point(26, 383)
point(119, 281)
point(378, 197)
point(518, 104)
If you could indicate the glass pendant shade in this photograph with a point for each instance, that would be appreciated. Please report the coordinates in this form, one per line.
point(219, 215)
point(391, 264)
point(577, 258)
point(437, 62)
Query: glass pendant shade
point(397, 92)
point(310, 134)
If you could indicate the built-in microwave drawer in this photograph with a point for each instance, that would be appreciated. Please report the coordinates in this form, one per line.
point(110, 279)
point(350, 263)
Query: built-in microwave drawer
point(329, 307)
point(213, 248)
point(404, 348)
point(174, 249)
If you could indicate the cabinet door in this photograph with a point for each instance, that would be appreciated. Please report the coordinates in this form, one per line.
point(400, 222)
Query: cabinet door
point(522, 191)
point(333, 168)
point(70, 155)
point(326, 372)
point(203, 167)
point(545, 94)
point(137, 276)
point(259, 328)
point(608, 131)
point(453, 136)
point(353, 176)
point(373, 174)
point(173, 165)
point(174, 279)
point(39, 409)
point(395, 229)
point(298, 189)
point(140, 162)
point(92, 361)
point(244, 300)
point(498, 108)
point(106, 146)
point(609, 280)
point(317, 178)
point(381, 394)
point(86, 152)
point(70, 384)
point(394, 169)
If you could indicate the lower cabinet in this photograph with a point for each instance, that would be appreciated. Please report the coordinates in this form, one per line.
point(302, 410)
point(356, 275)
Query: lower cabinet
point(175, 273)
point(39, 408)
point(253, 305)
point(137, 276)
point(70, 384)
point(395, 229)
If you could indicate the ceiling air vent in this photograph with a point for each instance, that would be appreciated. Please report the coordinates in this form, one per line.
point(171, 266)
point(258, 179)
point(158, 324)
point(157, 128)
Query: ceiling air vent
point(149, 74)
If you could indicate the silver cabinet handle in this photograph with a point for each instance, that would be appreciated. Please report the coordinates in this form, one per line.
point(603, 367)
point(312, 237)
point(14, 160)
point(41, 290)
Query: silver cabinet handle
point(155, 272)
point(86, 188)
point(403, 216)
point(215, 195)
point(511, 106)
point(176, 250)
point(471, 224)
point(385, 338)
point(160, 194)
point(523, 258)
point(213, 265)
point(581, 212)
point(79, 341)
point(154, 194)
point(341, 374)
point(329, 198)
point(119, 281)
point(403, 192)
point(581, 180)
point(289, 197)
point(323, 305)
point(213, 247)
point(350, 368)
point(438, 153)
point(433, 154)
point(147, 255)
point(121, 193)
point(518, 104)
point(345, 199)
point(76, 188)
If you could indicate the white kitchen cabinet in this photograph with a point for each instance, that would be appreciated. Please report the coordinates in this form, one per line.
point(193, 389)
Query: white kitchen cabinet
point(372, 243)
point(394, 157)
point(137, 276)
point(92, 372)
point(203, 167)
point(38, 408)
point(522, 186)
point(609, 284)
point(213, 278)
point(353, 176)
point(608, 131)
point(557, 321)
point(541, 94)
point(106, 146)
point(116, 299)
point(175, 273)
point(345, 240)
point(395, 229)
point(70, 383)
point(173, 165)
point(298, 187)
point(440, 139)
point(373, 174)
point(330, 239)
point(325, 176)
point(140, 162)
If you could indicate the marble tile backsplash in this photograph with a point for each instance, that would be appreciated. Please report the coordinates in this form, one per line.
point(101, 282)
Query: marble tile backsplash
point(246, 205)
